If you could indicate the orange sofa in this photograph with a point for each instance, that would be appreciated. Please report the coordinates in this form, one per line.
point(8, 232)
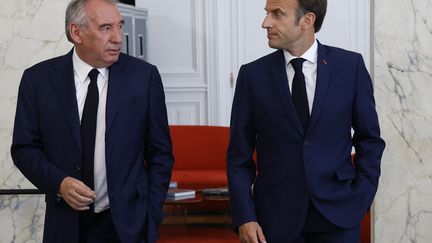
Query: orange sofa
point(200, 156)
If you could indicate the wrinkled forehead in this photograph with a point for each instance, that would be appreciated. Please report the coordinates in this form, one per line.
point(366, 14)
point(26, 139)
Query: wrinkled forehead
point(103, 12)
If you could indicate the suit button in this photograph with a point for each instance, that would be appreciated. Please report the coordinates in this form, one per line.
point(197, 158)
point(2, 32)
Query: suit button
point(78, 168)
point(306, 143)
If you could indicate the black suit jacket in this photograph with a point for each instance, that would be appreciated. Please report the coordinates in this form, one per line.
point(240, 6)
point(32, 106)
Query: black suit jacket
point(46, 144)
point(294, 167)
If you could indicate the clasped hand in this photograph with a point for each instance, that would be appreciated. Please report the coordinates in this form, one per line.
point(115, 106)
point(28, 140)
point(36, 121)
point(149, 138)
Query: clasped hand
point(76, 194)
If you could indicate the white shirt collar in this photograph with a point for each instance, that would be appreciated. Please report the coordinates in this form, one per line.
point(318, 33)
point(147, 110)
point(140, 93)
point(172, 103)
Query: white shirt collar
point(311, 55)
point(82, 68)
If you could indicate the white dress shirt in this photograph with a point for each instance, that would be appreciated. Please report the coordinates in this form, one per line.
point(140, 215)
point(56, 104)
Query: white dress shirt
point(309, 71)
point(81, 70)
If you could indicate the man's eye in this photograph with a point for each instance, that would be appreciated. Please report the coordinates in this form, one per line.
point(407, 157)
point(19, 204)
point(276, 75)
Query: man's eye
point(278, 14)
point(105, 28)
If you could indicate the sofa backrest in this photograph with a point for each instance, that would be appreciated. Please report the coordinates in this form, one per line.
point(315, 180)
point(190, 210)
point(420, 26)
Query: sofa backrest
point(199, 147)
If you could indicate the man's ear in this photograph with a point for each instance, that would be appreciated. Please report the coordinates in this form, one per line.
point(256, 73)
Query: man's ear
point(75, 33)
point(308, 20)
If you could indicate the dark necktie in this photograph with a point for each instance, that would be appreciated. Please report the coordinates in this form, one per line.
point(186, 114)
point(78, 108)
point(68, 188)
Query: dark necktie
point(88, 130)
point(299, 95)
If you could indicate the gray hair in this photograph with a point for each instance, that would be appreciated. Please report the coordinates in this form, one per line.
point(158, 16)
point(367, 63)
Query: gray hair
point(75, 13)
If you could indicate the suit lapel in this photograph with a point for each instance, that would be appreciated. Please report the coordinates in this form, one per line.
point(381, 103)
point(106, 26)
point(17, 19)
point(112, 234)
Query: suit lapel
point(64, 85)
point(279, 75)
point(117, 87)
point(324, 68)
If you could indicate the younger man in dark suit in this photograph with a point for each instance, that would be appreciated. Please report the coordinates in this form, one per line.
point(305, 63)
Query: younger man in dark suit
point(296, 108)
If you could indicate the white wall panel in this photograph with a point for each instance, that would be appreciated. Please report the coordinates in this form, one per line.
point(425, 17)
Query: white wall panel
point(172, 35)
point(177, 46)
point(186, 106)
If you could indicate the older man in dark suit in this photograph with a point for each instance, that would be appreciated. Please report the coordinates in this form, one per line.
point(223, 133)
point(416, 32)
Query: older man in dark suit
point(91, 132)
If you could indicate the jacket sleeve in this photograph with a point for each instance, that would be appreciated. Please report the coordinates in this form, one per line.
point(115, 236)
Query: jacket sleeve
point(368, 144)
point(241, 169)
point(27, 148)
point(159, 158)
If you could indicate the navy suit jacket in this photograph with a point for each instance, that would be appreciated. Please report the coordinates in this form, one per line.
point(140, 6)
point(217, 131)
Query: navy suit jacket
point(47, 146)
point(294, 168)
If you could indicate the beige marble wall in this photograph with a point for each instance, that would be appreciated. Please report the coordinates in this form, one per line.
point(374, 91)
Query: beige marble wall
point(30, 31)
point(403, 89)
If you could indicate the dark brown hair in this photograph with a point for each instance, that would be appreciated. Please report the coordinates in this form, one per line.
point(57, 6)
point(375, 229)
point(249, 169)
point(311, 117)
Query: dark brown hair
point(317, 7)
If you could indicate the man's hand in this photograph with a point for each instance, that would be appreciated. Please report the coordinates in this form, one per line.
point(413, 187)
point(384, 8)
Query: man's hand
point(251, 232)
point(76, 193)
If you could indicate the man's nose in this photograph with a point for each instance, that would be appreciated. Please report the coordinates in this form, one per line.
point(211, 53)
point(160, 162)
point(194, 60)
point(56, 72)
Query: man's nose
point(117, 35)
point(266, 22)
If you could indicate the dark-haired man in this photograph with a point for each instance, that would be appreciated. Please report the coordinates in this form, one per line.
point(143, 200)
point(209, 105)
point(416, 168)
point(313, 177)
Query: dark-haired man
point(91, 132)
point(296, 108)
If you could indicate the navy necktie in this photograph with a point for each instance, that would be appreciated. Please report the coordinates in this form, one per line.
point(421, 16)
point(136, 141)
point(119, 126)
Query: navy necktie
point(88, 130)
point(299, 95)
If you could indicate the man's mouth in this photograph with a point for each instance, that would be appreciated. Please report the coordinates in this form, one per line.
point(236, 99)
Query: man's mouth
point(114, 51)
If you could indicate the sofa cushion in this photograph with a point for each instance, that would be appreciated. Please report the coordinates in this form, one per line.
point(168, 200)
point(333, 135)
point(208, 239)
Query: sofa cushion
point(199, 147)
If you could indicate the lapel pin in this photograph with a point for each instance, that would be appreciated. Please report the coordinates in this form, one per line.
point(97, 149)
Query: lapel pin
point(325, 61)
